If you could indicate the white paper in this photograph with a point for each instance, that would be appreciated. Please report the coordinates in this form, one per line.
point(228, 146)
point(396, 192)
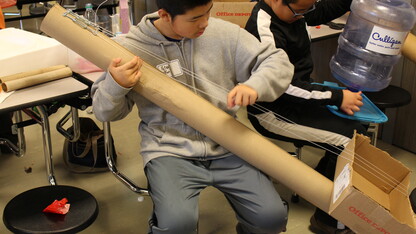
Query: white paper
point(4, 95)
point(341, 182)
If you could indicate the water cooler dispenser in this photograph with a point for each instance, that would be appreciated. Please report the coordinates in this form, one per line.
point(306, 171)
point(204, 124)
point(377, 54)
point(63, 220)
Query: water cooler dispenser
point(370, 44)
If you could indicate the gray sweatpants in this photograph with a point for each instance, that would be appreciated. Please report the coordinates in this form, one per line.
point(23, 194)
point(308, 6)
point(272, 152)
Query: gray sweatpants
point(175, 185)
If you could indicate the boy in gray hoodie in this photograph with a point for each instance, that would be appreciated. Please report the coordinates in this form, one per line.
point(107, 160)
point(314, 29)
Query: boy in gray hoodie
point(227, 66)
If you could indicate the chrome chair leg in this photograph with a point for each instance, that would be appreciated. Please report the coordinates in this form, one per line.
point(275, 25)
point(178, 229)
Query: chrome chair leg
point(47, 146)
point(18, 149)
point(112, 164)
point(373, 129)
point(75, 134)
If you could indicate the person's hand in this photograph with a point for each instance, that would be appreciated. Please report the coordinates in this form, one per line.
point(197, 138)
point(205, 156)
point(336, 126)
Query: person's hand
point(241, 95)
point(351, 102)
point(128, 74)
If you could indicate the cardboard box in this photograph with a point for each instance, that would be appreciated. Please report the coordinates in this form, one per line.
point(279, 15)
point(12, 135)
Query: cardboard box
point(234, 12)
point(370, 192)
point(22, 51)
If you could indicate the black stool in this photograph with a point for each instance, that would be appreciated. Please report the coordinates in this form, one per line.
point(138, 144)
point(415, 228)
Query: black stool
point(23, 214)
point(390, 97)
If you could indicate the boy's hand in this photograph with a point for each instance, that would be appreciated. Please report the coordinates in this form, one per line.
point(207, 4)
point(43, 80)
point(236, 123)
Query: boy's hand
point(128, 74)
point(241, 95)
point(351, 102)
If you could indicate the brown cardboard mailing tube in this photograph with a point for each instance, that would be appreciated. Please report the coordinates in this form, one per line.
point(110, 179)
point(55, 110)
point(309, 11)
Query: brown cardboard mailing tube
point(195, 111)
point(30, 73)
point(36, 79)
point(409, 47)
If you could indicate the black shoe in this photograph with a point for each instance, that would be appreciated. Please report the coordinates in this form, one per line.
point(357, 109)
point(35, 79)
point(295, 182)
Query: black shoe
point(320, 227)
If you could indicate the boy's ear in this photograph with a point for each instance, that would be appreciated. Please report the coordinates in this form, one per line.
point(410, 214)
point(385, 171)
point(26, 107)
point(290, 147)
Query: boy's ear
point(164, 15)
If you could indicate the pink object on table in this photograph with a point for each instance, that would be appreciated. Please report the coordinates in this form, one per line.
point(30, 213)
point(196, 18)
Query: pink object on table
point(7, 3)
point(124, 16)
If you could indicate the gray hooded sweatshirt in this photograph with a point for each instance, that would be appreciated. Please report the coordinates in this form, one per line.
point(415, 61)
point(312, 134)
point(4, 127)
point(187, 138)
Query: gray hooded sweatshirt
point(211, 65)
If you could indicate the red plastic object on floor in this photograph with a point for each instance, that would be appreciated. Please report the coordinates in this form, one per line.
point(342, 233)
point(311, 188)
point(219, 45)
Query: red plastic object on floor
point(58, 207)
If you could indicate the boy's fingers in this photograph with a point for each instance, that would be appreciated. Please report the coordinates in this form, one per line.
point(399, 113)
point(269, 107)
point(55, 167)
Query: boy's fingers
point(238, 99)
point(131, 64)
point(230, 99)
point(245, 100)
point(115, 62)
point(138, 65)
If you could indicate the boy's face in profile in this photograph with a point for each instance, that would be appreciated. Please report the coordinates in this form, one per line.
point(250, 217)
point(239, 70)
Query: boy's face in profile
point(192, 24)
point(291, 12)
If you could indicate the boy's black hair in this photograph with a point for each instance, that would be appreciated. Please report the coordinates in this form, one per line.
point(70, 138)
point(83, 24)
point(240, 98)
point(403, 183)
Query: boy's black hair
point(179, 7)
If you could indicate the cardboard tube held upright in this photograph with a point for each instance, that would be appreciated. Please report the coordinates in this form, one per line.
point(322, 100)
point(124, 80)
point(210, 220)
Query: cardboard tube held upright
point(195, 111)
point(409, 47)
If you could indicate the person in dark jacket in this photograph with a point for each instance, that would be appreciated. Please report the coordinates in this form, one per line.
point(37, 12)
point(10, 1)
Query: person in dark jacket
point(301, 113)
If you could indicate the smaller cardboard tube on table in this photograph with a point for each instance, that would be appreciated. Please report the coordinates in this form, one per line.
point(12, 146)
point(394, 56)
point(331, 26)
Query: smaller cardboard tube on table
point(30, 73)
point(32, 80)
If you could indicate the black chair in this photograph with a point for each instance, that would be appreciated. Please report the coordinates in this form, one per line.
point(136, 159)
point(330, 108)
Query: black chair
point(390, 97)
point(24, 213)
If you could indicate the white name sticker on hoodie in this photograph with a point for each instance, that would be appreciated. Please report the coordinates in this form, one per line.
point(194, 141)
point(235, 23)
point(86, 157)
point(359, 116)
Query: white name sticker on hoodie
point(172, 68)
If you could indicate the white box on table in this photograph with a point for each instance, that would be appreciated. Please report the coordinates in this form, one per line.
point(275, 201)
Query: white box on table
point(22, 51)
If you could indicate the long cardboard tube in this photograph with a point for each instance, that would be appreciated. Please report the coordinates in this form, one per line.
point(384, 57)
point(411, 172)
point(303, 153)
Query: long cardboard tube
point(409, 47)
point(30, 73)
point(36, 79)
point(195, 111)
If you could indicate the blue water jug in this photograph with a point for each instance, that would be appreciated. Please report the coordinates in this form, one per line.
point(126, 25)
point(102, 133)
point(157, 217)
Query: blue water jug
point(370, 44)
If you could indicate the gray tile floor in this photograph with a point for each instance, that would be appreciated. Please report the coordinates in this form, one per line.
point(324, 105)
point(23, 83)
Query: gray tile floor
point(120, 209)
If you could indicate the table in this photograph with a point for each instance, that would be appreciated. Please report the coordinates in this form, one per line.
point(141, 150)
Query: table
point(36, 96)
point(324, 31)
